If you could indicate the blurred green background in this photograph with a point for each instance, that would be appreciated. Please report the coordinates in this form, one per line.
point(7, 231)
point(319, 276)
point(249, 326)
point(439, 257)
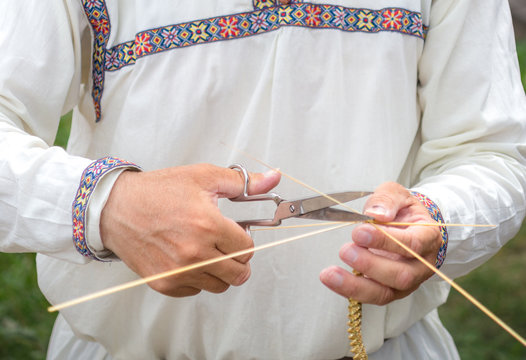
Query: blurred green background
point(25, 325)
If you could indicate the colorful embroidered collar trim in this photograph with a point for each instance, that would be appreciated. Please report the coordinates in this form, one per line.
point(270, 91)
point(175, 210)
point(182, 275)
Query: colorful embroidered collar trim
point(99, 20)
point(262, 4)
point(262, 21)
point(265, 18)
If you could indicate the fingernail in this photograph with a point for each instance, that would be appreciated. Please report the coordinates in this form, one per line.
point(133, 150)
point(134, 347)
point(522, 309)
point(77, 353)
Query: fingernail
point(271, 172)
point(333, 278)
point(363, 237)
point(377, 210)
point(350, 255)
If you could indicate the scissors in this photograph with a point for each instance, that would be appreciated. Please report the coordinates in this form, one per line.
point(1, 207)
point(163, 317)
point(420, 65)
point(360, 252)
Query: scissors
point(316, 208)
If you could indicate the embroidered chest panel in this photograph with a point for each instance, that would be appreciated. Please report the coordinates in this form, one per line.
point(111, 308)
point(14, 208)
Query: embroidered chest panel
point(266, 16)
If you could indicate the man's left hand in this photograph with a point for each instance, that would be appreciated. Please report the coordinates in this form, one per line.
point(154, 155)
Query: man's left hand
point(389, 272)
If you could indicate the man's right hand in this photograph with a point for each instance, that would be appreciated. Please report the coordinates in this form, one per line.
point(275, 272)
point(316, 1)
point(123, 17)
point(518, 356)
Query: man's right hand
point(161, 220)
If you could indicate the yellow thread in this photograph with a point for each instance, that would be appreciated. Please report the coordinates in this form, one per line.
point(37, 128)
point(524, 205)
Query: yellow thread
point(131, 284)
point(457, 287)
point(355, 307)
point(468, 296)
point(394, 223)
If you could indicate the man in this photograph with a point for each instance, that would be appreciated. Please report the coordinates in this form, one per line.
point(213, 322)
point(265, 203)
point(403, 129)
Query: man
point(344, 95)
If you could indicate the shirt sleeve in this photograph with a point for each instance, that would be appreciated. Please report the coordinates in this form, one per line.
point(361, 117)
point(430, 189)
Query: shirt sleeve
point(40, 78)
point(94, 189)
point(471, 159)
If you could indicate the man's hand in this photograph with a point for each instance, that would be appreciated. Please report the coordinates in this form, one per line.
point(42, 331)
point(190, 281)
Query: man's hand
point(390, 272)
point(161, 220)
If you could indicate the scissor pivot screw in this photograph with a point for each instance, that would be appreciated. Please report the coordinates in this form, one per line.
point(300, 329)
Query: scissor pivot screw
point(292, 208)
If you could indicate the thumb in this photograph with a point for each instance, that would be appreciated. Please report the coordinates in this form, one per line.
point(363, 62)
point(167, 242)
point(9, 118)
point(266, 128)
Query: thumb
point(232, 183)
point(386, 201)
point(263, 182)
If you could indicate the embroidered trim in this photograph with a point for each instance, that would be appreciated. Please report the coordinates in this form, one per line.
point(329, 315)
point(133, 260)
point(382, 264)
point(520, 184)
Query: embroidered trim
point(435, 213)
point(263, 21)
point(262, 4)
point(90, 177)
point(99, 19)
point(265, 18)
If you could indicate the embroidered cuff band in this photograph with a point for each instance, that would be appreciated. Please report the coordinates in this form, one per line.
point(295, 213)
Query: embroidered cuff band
point(435, 213)
point(90, 177)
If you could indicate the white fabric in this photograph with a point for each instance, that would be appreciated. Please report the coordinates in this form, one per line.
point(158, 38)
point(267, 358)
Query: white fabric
point(339, 110)
point(96, 204)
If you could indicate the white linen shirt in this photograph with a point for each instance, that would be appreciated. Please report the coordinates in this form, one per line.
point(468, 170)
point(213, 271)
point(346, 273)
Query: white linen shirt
point(343, 107)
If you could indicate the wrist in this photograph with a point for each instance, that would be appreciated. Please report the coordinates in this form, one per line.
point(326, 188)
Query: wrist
point(114, 208)
point(436, 214)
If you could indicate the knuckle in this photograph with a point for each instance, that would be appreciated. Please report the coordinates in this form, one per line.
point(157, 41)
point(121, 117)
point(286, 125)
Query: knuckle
point(363, 262)
point(165, 287)
point(349, 292)
point(242, 277)
point(204, 167)
point(404, 280)
point(185, 292)
point(387, 190)
point(385, 297)
point(388, 186)
point(427, 245)
point(249, 257)
point(206, 225)
point(415, 243)
point(244, 258)
point(219, 288)
point(381, 198)
point(190, 253)
point(246, 242)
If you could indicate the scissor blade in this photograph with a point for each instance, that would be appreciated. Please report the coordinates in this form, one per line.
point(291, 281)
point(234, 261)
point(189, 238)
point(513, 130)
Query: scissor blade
point(288, 209)
point(330, 214)
point(320, 202)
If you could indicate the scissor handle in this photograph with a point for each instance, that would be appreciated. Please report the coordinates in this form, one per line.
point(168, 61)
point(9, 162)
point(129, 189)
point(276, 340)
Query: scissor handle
point(258, 197)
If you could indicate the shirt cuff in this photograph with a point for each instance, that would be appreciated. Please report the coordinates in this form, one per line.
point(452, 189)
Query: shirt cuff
point(435, 213)
point(100, 174)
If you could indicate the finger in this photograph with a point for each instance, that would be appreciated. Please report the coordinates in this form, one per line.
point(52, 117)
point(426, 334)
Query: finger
point(263, 182)
point(229, 272)
point(195, 283)
point(232, 183)
point(215, 278)
point(183, 291)
point(386, 201)
point(401, 275)
point(359, 288)
point(232, 238)
point(424, 240)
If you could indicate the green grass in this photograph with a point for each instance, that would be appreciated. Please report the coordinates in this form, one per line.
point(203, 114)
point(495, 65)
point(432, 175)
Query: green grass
point(25, 325)
point(63, 130)
point(499, 285)
point(521, 52)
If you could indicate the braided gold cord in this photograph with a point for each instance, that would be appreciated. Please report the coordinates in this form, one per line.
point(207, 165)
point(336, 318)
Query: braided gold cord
point(355, 328)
